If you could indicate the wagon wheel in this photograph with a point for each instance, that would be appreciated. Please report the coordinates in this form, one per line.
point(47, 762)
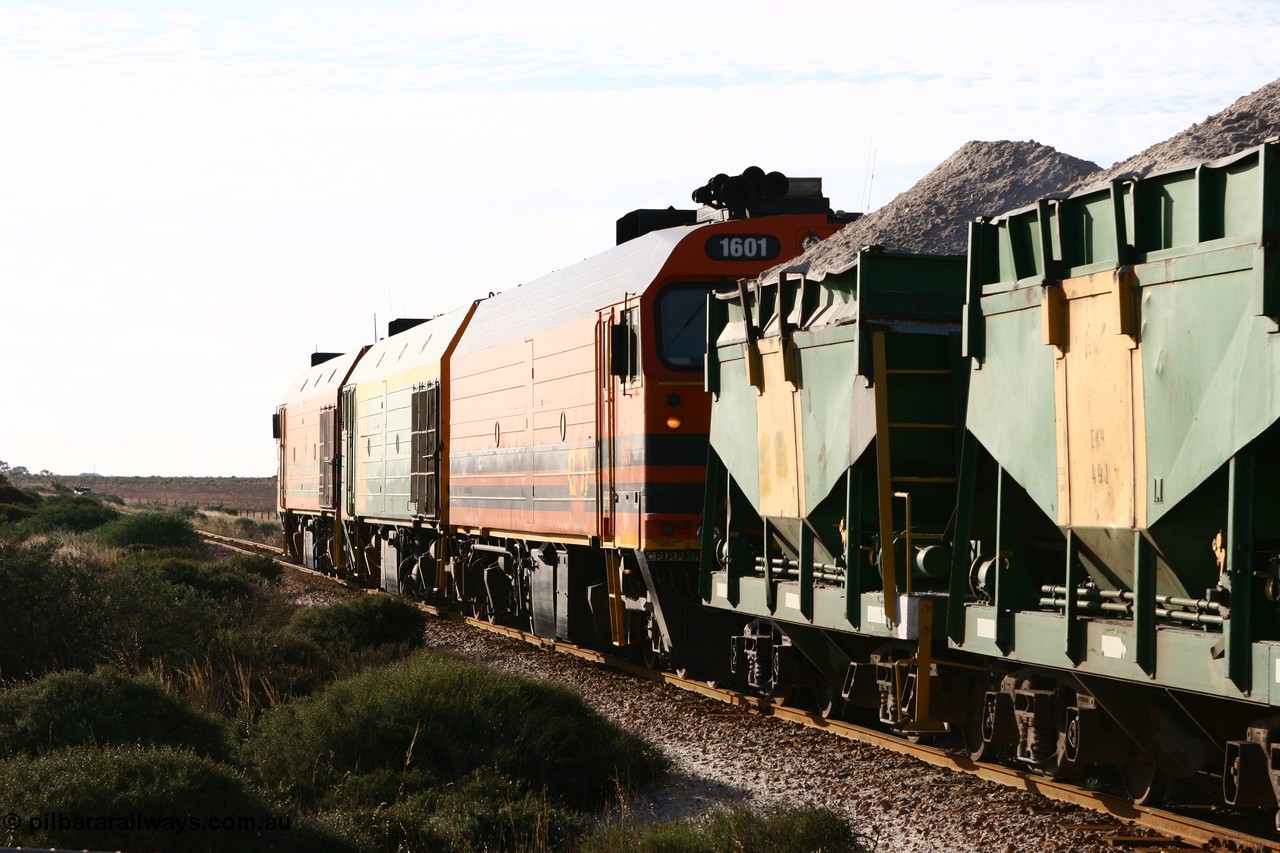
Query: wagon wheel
point(971, 729)
point(827, 701)
point(1145, 782)
point(979, 749)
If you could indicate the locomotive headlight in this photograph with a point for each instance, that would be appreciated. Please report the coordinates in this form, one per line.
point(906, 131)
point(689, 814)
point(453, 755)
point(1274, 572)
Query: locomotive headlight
point(809, 241)
point(673, 422)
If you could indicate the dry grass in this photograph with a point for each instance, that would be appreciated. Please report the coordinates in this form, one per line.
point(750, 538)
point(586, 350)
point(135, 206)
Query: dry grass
point(229, 687)
point(82, 548)
point(256, 528)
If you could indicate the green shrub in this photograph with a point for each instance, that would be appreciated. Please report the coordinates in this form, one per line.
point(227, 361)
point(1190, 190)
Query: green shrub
point(11, 494)
point(451, 717)
point(154, 529)
point(106, 708)
point(75, 513)
point(362, 622)
point(738, 830)
point(219, 581)
point(253, 564)
point(49, 611)
point(15, 512)
point(59, 795)
point(255, 671)
point(144, 617)
point(482, 812)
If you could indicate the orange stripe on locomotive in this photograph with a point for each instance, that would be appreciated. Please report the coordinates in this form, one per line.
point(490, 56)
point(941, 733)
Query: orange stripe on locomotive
point(577, 411)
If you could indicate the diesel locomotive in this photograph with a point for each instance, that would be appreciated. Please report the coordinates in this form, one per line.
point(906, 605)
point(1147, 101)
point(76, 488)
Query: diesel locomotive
point(1020, 495)
point(539, 456)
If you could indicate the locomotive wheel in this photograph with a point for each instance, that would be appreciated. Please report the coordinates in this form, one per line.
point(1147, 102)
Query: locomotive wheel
point(916, 737)
point(1144, 782)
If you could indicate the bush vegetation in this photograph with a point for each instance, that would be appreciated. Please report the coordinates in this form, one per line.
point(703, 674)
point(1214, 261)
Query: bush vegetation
point(151, 529)
point(70, 512)
point(49, 608)
point(363, 622)
point(450, 717)
point(145, 679)
point(737, 830)
point(105, 708)
point(11, 494)
point(57, 791)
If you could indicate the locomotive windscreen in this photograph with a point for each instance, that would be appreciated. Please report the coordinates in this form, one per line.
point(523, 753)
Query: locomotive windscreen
point(682, 326)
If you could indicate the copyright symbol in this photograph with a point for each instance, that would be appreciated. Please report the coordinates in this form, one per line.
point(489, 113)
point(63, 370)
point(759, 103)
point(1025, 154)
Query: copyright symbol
point(11, 820)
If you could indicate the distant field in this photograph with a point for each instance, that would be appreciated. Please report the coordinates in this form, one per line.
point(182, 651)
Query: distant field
point(256, 494)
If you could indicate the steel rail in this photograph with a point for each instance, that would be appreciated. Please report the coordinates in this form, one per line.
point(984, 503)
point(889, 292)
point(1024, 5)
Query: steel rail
point(1174, 829)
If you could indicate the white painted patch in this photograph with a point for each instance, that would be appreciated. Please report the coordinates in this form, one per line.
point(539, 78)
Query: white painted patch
point(722, 590)
point(986, 628)
point(792, 600)
point(1113, 646)
point(1278, 671)
point(875, 615)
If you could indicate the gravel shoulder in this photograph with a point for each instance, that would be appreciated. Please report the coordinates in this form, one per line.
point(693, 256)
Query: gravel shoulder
point(722, 755)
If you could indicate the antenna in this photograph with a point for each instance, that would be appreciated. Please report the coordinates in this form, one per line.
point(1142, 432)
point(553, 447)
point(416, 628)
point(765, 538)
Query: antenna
point(870, 176)
point(375, 327)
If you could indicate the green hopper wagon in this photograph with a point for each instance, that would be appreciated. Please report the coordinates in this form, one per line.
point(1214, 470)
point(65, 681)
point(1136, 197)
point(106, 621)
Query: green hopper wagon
point(1117, 488)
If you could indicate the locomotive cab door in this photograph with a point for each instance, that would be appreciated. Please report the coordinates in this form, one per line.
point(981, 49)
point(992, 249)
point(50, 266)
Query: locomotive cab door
point(608, 353)
point(347, 418)
point(424, 491)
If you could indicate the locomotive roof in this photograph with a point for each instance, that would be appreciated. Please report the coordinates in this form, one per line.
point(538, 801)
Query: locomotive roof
point(573, 292)
point(421, 345)
point(322, 379)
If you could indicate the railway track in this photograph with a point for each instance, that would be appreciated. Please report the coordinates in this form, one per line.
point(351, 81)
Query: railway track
point(1119, 818)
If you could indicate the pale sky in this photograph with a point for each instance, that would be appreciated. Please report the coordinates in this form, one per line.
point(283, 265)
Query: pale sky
point(196, 196)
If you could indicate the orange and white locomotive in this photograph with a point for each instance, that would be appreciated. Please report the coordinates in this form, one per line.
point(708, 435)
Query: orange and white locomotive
point(539, 456)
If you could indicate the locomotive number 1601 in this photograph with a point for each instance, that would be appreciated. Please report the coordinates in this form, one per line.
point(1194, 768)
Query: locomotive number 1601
point(735, 247)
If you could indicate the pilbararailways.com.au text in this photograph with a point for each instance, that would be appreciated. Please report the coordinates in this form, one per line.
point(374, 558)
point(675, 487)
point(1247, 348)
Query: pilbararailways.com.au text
point(139, 822)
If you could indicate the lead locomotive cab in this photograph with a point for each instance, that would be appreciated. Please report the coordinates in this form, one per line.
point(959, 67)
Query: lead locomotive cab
point(577, 425)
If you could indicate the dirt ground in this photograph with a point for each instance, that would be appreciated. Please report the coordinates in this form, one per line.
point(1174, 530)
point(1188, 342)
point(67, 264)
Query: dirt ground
point(251, 494)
